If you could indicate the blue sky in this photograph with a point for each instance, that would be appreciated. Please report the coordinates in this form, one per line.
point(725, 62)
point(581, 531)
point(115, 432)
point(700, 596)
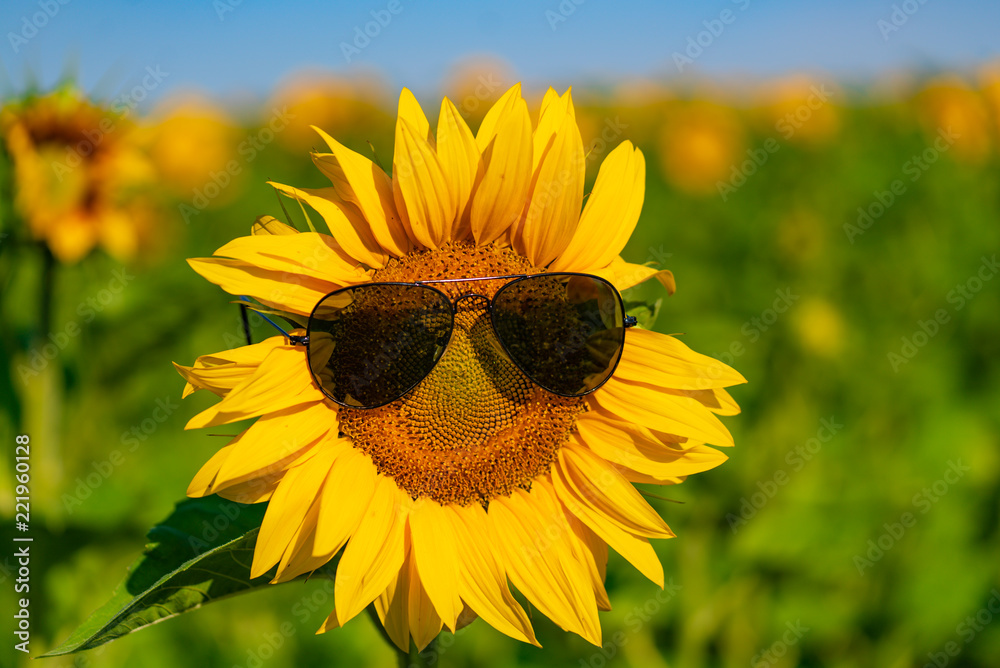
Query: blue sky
point(233, 48)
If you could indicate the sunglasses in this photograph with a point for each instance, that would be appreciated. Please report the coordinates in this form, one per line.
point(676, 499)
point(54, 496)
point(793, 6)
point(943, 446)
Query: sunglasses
point(370, 344)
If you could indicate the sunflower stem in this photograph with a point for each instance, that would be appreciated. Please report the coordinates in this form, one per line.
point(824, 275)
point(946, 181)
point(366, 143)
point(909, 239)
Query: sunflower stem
point(47, 289)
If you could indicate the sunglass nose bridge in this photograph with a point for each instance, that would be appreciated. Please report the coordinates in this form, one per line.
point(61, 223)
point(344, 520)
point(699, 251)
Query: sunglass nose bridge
point(472, 296)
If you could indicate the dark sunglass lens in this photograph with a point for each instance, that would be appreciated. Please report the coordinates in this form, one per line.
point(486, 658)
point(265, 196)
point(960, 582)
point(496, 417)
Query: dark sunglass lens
point(564, 331)
point(371, 344)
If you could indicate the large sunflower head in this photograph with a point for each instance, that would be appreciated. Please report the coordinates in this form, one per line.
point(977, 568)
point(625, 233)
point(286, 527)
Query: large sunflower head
point(477, 478)
point(77, 174)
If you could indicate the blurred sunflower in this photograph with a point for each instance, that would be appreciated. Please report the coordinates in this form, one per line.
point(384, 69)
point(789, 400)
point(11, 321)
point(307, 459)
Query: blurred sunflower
point(476, 477)
point(699, 146)
point(77, 175)
point(950, 104)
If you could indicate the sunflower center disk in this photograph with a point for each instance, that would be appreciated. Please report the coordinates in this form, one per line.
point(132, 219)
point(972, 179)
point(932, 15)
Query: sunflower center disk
point(475, 428)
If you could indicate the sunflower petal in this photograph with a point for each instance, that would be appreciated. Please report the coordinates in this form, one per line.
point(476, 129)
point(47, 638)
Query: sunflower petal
point(651, 407)
point(636, 549)
point(482, 578)
point(292, 292)
point(308, 254)
point(347, 493)
point(633, 447)
point(502, 187)
point(423, 196)
point(287, 510)
point(611, 213)
point(361, 183)
point(353, 234)
point(552, 210)
point(543, 568)
point(435, 549)
point(598, 485)
point(664, 360)
point(275, 436)
point(271, 226)
point(221, 372)
point(624, 275)
point(460, 161)
point(375, 552)
point(281, 381)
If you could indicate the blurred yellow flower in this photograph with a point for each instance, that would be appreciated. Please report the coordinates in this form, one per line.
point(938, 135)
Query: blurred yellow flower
point(800, 109)
point(699, 146)
point(191, 138)
point(329, 101)
point(989, 84)
point(78, 173)
point(951, 105)
point(820, 327)
point(477, 83)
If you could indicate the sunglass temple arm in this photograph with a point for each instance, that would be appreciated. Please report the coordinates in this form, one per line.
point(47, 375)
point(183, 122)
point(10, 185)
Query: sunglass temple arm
point(292, 338)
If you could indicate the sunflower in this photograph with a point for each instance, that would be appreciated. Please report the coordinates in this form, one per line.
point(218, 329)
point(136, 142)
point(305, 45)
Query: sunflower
point(77, 172)
point(476, 479)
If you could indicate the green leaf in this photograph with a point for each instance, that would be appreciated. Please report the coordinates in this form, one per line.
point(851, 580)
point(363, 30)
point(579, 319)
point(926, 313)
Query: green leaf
point(200, 554)
point(644, 312)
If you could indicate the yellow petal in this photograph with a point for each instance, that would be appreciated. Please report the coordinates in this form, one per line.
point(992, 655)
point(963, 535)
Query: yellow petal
point(424, 622)
point(498, 112)
point(346, 495)
point(275, 436)
point(353, 234)
point(411, 112)
point(307, 254)
point(271, 226)
point(460, 160)
point(543, 567)
point(611, 213)
point(295, 293)
point(651, 407)
point(435, 549)
point(361, 183)
point(593, 552)
point(624, 275)
point(375, 552)
point(221, 372)
point(201, 484)
point(636, 549)
point(633, 447)
point(552, 209)
point(600, 486)
point(659, 359)
point(503, 185)
point(392, 607)
point(424, 199)
point(482, 576)
point(287, 510)
point(281, 381)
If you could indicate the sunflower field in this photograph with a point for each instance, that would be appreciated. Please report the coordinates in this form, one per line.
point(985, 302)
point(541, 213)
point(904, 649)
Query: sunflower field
point(836, 245)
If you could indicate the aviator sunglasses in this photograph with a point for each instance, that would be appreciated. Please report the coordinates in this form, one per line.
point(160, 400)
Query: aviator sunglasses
point(370, 344)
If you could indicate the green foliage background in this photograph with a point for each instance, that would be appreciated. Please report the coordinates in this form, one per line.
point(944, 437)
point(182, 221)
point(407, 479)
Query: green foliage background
point(791, 560)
